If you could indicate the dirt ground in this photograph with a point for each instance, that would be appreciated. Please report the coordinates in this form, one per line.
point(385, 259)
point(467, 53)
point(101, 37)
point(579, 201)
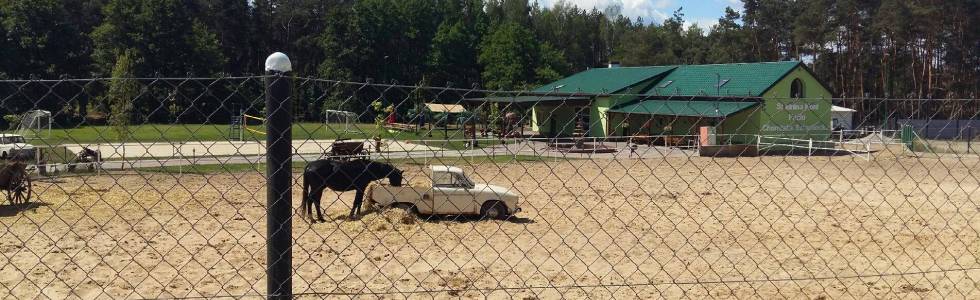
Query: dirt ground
point(773, 227)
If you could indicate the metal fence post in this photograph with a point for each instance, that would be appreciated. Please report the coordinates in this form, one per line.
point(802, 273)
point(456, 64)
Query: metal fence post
point(279, 177)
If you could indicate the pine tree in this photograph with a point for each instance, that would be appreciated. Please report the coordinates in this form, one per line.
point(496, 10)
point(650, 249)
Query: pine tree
point(513, 59)
point(37, 33)
point(728, 40)
point(165, 34)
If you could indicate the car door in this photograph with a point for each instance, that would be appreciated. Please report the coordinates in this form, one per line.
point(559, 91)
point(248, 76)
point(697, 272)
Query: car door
point(451, 194)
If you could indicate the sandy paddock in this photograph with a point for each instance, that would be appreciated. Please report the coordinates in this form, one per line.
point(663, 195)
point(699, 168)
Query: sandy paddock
point(774, 227)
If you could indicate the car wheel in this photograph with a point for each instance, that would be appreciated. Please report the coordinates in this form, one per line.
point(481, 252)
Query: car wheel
point(493, 210)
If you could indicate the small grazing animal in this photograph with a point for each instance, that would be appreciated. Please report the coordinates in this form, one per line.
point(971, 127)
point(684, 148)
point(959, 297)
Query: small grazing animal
point(342, 176)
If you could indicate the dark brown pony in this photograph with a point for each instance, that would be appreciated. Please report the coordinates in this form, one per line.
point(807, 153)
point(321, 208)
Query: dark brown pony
point(342, 176)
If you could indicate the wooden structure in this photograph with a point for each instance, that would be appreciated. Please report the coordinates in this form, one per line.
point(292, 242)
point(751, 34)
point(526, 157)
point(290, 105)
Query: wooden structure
point(86, 156)
point(16, 182)
point(345, 150)
point(446, 108)
point(402, 127)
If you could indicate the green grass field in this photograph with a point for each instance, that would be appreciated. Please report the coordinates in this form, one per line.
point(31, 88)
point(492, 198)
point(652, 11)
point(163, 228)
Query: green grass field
point(220, 132)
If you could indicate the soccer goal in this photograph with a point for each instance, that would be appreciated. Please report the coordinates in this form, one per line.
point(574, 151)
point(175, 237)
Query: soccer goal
point(34, 122)
point(336, 119)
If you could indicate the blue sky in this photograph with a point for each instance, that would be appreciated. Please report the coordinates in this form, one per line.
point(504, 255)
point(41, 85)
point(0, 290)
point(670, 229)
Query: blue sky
point(703, 12)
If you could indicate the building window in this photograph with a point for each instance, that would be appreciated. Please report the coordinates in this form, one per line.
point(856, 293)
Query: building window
point(796, 89)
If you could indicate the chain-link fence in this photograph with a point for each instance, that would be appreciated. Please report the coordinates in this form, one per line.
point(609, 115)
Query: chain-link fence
point(157, 188)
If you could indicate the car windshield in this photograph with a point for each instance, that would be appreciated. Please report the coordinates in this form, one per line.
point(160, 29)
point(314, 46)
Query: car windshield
point(447, 179)
point(12, 139)
point(442, 179)
point(461, 180)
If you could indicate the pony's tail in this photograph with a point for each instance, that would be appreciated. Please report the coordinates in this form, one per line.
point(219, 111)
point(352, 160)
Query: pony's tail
point(306, 195)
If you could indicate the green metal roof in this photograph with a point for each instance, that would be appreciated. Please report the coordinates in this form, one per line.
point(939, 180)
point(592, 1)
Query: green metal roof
point(603, 80)
point(528, 99)
point(707, 109)
point(741, 79)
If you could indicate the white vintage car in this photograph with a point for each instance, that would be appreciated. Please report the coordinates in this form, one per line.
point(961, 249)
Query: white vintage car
point(14, 145)
point(451, 193)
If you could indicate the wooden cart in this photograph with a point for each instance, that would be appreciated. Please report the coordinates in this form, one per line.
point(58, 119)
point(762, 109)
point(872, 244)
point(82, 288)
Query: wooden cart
point(16, 182)
point(346, 150)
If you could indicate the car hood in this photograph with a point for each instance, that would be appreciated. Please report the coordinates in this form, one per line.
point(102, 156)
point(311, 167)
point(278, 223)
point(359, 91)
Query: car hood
point(498, 190)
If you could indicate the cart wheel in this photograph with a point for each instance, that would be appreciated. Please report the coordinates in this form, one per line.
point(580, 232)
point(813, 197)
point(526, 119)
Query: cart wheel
point(20, 189)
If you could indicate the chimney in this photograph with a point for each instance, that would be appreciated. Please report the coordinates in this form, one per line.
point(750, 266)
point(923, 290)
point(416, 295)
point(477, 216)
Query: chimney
point(613, 64)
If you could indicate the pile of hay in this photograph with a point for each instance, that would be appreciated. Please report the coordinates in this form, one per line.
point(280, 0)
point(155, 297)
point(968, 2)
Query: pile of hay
point(385, 218)
point(390, 219)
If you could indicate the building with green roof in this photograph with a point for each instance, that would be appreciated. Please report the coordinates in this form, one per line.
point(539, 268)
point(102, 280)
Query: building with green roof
point(604, 80)
point(742, 101)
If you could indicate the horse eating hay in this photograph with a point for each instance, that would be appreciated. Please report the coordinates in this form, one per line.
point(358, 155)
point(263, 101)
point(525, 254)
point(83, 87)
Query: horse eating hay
point(342, 176)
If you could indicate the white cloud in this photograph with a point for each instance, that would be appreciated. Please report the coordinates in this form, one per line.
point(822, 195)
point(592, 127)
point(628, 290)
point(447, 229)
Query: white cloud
point(704, 13)
point(704, 23)
point(734, 4)
point(649, 10)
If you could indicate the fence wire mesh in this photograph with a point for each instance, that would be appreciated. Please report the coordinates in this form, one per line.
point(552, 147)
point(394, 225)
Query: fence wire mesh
point(154, 188)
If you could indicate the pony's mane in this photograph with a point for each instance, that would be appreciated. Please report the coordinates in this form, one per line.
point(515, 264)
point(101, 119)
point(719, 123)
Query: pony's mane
point(388, 166)
point(374, 166)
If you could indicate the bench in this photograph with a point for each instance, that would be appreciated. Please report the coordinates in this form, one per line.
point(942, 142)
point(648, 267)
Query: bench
point(641, 139)
point(667, 141)
point(402, 127)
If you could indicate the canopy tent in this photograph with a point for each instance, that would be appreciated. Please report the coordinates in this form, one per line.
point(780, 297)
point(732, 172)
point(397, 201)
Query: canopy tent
point(446, 108)
point(706, 109)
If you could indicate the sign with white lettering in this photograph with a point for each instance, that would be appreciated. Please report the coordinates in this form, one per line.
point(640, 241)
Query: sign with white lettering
point(796, 117)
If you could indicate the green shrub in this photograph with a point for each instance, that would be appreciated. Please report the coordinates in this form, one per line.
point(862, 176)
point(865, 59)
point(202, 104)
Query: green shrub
point(12, 121)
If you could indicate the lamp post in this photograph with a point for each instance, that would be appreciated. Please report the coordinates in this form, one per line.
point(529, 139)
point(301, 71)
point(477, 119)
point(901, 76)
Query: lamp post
point(279, 177)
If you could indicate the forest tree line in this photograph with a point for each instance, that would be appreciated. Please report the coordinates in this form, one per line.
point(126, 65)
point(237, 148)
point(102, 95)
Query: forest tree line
point(859, 48)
